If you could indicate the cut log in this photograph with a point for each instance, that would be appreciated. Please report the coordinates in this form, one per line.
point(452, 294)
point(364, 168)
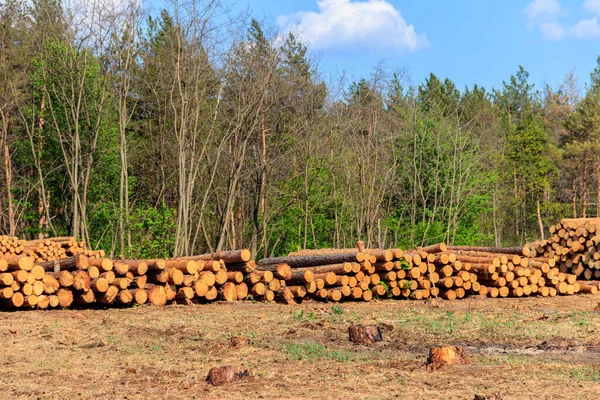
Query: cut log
point(305, 261)
point(237, 276)
point(78, 262)
point(503, 250)
point(109, 296)
point(221, 276)
point(103, 264)
point(65, 297)
point(211, 294)
point(208, 277)
point(185, 266)
point(436, 248)
point(157, 295)
point(81, 280)
point(242, 290)
point(228, 292)
point(85, 298)
point(140, 296)
point(201, 288)
point(232, 256)
point(125, 297)
point(99, 285)
point(17, 262)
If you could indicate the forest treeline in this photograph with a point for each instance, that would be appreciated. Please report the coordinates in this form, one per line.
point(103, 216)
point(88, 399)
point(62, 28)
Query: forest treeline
point(187, 131)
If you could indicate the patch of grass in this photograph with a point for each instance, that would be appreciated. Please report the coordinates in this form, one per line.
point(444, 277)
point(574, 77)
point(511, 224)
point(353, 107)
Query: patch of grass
point(155, 349)
point(468, 317)
point(509, 359)
point(587, 373)
point(337, 310)
point(46, 365)
point(314, 351)
point(300, 315)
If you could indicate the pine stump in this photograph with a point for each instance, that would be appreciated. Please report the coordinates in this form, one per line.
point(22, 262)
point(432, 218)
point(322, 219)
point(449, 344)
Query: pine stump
point(218, 376)
point(361, 334)
point(445, 356)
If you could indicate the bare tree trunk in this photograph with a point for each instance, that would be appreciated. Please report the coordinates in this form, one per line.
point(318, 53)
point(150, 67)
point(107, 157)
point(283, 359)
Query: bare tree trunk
point(539, 218)
point(497, 239)
point(584, 187)
point(8, 175)
point(574, 198)
point(598, 187)
point(263, 188)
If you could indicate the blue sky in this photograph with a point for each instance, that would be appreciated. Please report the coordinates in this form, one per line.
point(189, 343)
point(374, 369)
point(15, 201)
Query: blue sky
point(468, 41)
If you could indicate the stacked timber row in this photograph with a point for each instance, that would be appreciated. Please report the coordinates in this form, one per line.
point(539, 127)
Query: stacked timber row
point(448, 272)
point(83, 281)
point(507, 272)
point(46, 249)
point(574, 244)
point(364, 274)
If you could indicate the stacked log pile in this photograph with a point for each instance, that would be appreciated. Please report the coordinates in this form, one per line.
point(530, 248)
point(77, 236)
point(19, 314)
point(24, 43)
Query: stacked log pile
point(46, 249)
point(574, 244)
point(448, 272)
point(61, 272)
point(507, 272)
point(359, 274)
point(80, 280)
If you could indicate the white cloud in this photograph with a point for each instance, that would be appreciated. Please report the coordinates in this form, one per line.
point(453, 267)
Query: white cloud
point(592, 6)
point(544, 14)
point(552, 30)
point(373, 25)
point(586, 29)
point(542, 11)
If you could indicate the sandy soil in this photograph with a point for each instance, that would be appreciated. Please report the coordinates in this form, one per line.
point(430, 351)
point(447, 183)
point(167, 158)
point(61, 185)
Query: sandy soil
point(535, 348)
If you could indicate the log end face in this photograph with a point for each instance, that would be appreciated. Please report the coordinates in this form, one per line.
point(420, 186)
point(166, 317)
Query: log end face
point(245, 255)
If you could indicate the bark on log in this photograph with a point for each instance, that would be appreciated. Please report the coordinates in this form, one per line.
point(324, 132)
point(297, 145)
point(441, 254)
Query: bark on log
point(306, 261)
point(232, 256)
point(102, 263)
point(78, 262)
point(436, 248)
point(503, 250)
point(12, 263)
point(282, 271)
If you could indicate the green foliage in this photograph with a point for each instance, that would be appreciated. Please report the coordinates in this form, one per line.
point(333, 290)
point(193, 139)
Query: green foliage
point(153, 231)
point(337, 309)
point(388, 162)
point(301, 315)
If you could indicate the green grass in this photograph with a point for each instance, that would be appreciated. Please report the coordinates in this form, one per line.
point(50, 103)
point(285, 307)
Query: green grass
point(519, 328)
point(314, 351)
point(587, 373)
point(337, 310)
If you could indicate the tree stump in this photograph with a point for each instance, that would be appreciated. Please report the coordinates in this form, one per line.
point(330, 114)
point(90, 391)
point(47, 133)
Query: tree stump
point(444, 356)
point(435, 302)
point(361, 334)
point(218, 376)
point(237, 342)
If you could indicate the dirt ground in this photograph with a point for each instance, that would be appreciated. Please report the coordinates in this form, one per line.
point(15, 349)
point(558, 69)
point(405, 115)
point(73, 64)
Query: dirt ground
point(534, 348)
